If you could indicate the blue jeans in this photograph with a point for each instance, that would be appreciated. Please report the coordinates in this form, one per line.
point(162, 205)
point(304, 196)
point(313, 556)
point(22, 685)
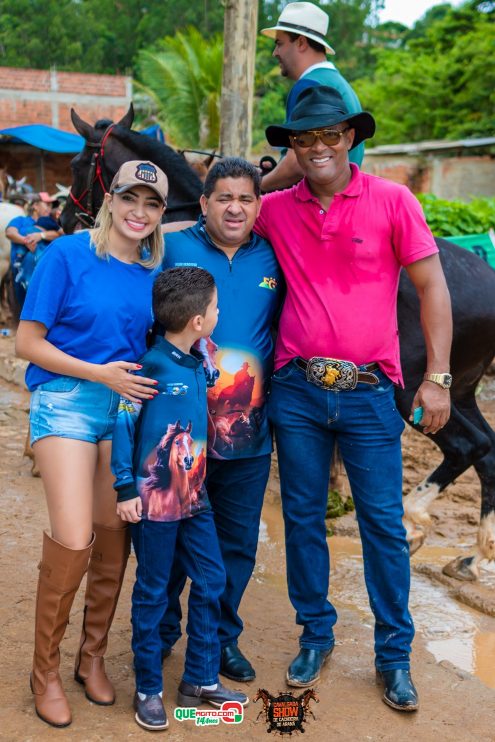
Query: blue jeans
point(193, 542)
point(235, 490)
point(367, 426)
point(18, 254)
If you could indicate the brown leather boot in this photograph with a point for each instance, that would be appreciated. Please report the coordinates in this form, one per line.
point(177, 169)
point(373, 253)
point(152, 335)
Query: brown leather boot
point(105, 574)
point(61, 572)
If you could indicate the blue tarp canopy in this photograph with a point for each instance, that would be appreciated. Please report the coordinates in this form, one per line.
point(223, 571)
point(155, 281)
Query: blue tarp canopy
point(46, 137)
point(56, 140)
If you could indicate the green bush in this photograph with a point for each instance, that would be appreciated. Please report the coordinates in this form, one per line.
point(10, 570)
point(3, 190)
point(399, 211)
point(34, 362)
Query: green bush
point(449, 218)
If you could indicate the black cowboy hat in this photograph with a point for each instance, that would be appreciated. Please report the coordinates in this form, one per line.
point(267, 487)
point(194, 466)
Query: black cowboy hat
point(317, 108)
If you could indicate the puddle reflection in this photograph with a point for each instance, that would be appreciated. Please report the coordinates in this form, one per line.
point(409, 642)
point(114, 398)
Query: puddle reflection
point(452, 631)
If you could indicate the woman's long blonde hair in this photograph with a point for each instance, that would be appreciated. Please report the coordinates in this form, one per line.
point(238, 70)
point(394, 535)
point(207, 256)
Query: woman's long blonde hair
point(150, 249)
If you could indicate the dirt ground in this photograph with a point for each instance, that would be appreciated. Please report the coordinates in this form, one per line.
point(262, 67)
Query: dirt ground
point(455, 705)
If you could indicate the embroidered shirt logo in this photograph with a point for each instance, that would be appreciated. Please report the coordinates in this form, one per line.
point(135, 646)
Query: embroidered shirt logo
point(174, 390)
point(357, 239)
point(146, 172)
point(268, 283)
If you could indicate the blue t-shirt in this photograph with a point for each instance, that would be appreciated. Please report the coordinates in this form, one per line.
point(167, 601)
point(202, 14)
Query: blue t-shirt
point(48, 223)
point(239, 354)
point(159, 446)
point(25, 225)
point(95, 309)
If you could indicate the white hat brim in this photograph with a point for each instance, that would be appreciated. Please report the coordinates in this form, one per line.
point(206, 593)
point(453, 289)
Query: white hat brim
point(272, 33)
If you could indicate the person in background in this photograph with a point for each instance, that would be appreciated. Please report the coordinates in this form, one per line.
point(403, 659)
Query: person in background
point(301, 50)
point(26, 235)
point(83, 327)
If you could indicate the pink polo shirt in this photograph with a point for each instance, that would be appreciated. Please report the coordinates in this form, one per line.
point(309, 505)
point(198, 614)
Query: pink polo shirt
point(342, 268)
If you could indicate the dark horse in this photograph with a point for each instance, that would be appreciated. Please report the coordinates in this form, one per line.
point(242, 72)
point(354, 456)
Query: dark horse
point(467, 439)
point(107, 146)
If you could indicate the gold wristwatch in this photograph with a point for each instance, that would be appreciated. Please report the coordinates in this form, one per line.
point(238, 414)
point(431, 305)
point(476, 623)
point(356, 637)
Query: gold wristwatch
point(443, 380)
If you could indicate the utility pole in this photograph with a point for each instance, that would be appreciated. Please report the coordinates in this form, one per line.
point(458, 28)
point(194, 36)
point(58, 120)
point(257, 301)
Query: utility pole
point(236, 109)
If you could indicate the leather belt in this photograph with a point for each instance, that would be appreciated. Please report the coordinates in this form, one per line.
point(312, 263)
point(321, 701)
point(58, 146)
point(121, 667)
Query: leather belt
point(336, 375)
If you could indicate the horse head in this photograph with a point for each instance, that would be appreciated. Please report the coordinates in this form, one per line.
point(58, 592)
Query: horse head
point(266, 697)
point(307, 696)
point(107, 147)
point(199, 165)
point(181, 451)
point(93, 169)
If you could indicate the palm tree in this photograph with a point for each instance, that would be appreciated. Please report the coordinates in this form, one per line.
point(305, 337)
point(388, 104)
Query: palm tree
point(183, 76)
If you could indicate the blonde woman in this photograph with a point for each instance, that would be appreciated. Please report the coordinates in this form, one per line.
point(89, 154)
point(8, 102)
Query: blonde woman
point(82, 327)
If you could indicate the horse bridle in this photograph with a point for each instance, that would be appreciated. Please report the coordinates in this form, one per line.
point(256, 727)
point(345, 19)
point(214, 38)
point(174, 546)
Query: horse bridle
point(95, 175)
point(86, 215)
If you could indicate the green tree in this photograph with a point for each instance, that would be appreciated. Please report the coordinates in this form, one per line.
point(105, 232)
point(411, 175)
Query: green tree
point(94, 35)
point(42, 33)
point(440, 85)
point(183, 76)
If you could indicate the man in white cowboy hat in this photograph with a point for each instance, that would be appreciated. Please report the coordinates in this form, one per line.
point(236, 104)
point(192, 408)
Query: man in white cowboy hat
point(341, 237)
point(301, 49)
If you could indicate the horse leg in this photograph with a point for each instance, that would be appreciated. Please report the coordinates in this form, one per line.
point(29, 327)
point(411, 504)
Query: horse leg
point(467, 568)
point(462, 443)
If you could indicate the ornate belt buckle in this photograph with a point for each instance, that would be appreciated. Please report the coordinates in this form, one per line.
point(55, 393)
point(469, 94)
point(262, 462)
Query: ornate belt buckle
point(332, 374)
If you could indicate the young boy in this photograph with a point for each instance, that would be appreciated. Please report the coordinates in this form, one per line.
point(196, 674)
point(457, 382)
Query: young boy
point(159, 460)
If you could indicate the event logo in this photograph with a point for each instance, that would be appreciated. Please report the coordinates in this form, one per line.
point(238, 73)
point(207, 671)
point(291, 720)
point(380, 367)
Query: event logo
point(230, 712)
point(268, 283)
point(286, 713)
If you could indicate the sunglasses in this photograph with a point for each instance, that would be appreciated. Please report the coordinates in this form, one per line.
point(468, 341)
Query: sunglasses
point(329, 137)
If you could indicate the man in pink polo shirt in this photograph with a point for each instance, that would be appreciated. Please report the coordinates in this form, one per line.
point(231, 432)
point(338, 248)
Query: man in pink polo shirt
point(342, 237)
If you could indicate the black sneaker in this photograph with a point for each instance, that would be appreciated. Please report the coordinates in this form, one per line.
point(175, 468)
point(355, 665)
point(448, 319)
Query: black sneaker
point(150, 713)
point(195, 695)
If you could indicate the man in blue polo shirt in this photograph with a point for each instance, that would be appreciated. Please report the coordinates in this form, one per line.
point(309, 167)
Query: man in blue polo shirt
point(238, 360)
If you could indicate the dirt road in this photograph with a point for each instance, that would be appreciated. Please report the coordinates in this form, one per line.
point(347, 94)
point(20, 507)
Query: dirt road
point(455, 705)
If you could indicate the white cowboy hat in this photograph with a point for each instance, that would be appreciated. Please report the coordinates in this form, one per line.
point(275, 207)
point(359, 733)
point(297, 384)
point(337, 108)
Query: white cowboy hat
point(304, 19)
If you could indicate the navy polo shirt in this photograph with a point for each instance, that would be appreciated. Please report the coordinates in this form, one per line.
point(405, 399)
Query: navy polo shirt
point(239, 354)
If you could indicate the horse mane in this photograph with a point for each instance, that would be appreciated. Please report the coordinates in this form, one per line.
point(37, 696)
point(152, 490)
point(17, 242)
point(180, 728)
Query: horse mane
point(187, 187)
point(103, 124)
point(160, 475)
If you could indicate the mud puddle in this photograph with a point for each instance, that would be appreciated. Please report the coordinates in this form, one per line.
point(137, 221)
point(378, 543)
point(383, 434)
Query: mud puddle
point(452, 631)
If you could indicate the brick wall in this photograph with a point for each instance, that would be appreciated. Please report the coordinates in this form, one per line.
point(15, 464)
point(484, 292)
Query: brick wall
point(42, 172)
point(450, 177)
point(46, 96)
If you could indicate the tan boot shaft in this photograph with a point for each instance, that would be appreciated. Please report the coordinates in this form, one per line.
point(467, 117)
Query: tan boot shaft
point(104, 581)
point(61, 572)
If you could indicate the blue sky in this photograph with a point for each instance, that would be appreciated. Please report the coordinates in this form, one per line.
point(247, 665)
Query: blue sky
point(408, 11)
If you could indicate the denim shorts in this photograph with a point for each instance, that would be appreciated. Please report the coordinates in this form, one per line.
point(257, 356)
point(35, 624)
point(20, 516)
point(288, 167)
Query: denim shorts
point(67, 407)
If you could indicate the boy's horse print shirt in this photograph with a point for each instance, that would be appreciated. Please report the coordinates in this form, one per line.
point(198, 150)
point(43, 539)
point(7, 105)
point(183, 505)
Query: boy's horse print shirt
point(159, 446)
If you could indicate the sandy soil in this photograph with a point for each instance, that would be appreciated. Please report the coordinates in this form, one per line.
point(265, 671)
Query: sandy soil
point(454, 705)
